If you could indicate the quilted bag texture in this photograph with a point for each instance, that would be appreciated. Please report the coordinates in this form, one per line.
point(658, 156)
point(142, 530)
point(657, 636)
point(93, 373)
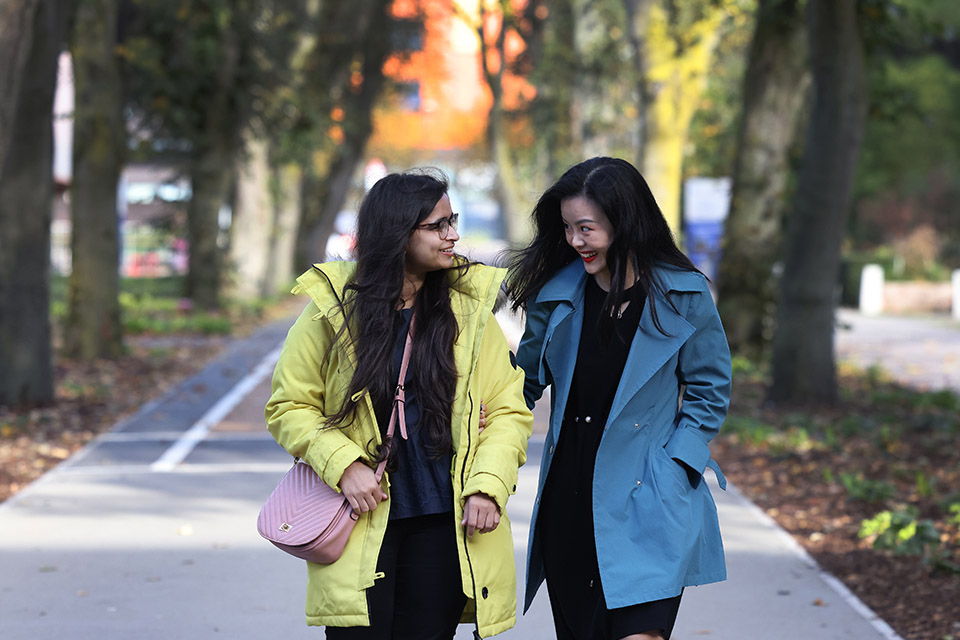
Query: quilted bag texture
point(305, 517)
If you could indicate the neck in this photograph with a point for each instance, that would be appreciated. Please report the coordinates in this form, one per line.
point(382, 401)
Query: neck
point(603, 278)
point(412, 282)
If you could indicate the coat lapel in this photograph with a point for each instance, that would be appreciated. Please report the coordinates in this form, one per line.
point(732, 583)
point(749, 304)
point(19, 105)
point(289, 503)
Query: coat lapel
point(650, 350)
point(562, 336)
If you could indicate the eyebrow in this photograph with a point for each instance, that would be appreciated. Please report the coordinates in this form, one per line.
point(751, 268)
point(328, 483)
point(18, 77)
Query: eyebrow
point(582, 220)
point(438, 220)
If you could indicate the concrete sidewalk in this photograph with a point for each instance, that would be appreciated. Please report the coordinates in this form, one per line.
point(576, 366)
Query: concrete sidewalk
point(150, 533)
point(918, 351)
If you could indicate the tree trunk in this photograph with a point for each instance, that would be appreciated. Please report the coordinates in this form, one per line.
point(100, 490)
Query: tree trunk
point(314, 230)
point(506, 188)
point(26, 194)
point(16, 35)
point(803, 360)
point(286, 221)
point(327, 195)
point(93, 328)
point(638, 13)
point(553, 103)
point(210, 173)
point(211, 170)
point(678, 59)
point(775, 85)
point(251, 225)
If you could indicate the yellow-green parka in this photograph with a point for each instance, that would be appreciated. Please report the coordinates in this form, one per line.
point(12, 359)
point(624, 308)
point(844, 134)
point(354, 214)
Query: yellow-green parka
point(311, 381)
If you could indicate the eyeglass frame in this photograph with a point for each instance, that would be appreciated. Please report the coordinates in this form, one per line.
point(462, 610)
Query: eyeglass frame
point(449, 222)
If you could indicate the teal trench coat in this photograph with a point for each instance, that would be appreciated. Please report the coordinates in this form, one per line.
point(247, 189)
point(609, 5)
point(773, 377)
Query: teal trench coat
point(655, 522)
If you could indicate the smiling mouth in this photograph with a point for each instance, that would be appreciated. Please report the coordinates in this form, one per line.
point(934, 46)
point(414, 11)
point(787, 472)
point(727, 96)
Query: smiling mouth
point(589, 257)
point(448, 251)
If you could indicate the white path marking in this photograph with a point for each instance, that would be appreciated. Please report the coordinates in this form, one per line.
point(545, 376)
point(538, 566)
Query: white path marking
point(180, 449)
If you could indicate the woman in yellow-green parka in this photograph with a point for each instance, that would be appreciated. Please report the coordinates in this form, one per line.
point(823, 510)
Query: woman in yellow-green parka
point(432, 546)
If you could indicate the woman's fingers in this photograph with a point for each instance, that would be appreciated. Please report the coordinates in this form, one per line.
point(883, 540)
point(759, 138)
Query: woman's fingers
point(482, 423)
point(360, 487)
point(480, 513)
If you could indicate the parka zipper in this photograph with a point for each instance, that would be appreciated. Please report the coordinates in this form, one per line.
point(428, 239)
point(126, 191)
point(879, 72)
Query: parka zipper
point(466, 549)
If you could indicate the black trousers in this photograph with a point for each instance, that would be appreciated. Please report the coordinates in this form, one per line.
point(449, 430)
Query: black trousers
point(420, 596)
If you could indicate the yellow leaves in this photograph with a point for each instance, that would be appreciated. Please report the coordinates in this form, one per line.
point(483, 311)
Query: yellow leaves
point(678, 58)
point(320, 161)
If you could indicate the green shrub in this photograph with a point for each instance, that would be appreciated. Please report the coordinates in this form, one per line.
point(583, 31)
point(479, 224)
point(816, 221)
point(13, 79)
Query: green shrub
point(749, 430)
point(860, 488)
point(944, 399)
point(954, 511)
point(900, 532)
point(925, 485)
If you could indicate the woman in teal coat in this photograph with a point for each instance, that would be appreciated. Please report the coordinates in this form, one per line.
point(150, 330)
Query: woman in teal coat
point(623, 328)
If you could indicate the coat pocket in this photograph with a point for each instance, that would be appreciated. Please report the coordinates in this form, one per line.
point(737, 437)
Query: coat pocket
point(675, 471)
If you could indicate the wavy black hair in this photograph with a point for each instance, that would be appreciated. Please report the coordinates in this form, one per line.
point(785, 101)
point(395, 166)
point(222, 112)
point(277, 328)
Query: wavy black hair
point(641, 236)
point(387, 218)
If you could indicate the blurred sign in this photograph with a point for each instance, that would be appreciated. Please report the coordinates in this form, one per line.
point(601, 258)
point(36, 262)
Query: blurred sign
point(706, 202)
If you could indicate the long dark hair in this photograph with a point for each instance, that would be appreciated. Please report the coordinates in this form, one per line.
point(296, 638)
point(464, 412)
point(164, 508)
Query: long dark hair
point(640, 234)
point(387, 218)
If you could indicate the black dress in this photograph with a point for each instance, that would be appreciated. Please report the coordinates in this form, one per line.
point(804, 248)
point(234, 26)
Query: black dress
point(566, 505)
point(420, 482)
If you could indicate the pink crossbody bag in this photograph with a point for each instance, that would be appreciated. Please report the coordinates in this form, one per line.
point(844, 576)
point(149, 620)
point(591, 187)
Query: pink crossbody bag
point(308, 519)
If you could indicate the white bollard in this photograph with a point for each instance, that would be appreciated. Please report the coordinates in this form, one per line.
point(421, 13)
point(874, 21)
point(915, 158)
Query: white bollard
point(955, 293)
point(871, 290)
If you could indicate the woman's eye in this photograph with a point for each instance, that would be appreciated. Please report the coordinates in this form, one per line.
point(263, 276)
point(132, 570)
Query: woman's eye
point(584, 229)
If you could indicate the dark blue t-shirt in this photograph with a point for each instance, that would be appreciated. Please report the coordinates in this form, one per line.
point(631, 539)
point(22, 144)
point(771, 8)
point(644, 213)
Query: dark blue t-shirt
point(419, 483)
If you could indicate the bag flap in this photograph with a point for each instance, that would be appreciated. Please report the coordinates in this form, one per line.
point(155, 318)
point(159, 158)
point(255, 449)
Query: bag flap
point(301, 508)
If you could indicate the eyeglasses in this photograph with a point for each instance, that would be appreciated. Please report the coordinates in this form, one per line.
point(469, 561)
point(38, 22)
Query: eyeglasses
point(443, 225)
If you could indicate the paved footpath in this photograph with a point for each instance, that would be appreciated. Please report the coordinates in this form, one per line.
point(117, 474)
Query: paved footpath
point(919, 351)
point(150, 532)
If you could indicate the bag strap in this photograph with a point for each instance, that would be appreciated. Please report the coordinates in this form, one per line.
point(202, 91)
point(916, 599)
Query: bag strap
point(399, 399)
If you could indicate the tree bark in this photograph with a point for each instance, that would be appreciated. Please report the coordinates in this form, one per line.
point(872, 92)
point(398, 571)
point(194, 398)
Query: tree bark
point(638, 12)
point(16, 35)
point(26, 190)
point(804, 370)
point(251, 225)
point(678, 58)
point(325, 196)
point(506, 189)
point(286, 221)
point(775, 86)
point(211, 171)
point(93, 328)
point(552, 107)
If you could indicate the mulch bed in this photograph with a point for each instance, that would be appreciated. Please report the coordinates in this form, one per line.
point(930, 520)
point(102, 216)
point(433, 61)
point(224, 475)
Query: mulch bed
point(90, 398)
point(899, 450)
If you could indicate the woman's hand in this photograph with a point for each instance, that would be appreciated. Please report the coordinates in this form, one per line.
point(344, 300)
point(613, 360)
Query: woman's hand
point(480, 513)
point(482, 423)
point(360, 487)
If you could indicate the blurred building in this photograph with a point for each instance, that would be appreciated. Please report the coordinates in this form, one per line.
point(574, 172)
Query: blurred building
point(151, 202)
point(439, 102)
